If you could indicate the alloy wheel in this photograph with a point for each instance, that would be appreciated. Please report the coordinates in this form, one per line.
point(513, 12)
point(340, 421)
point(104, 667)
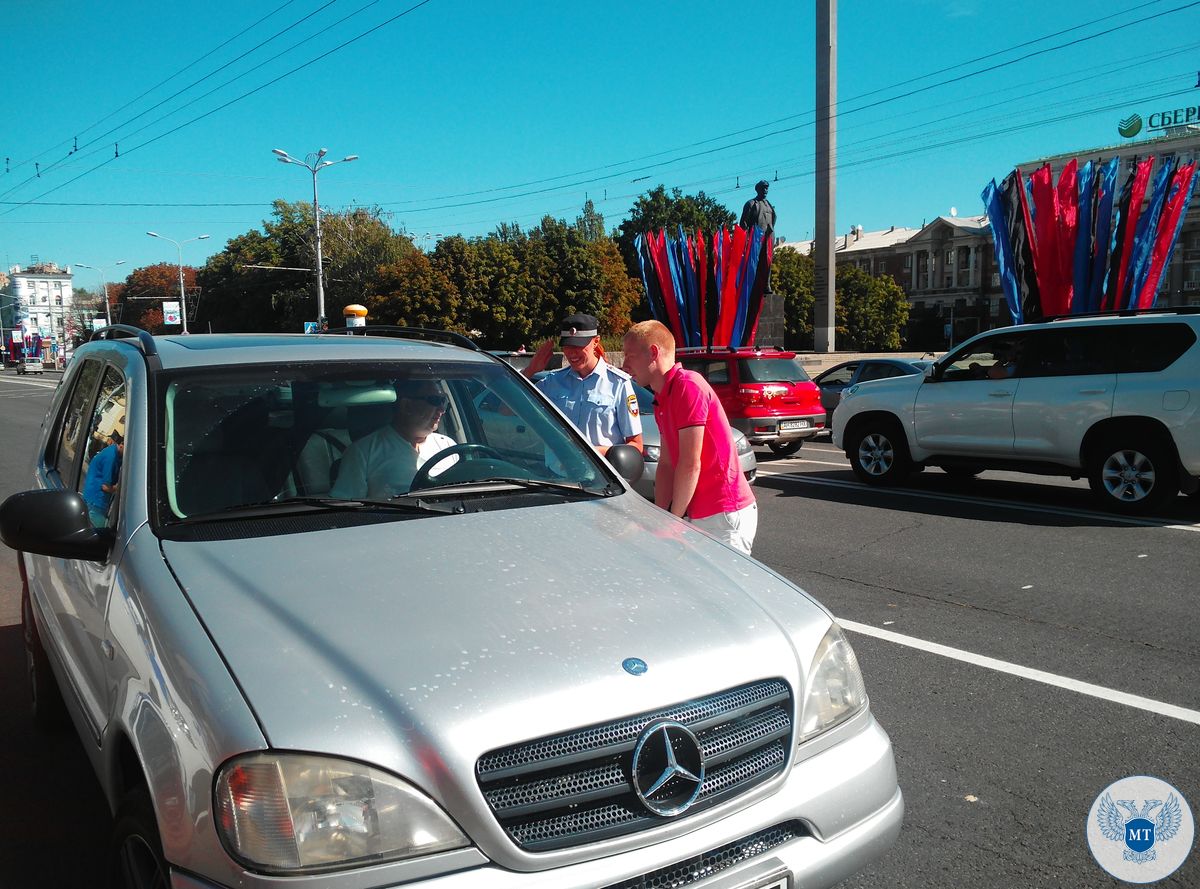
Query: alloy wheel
point(1128, 476)
point(876, 454)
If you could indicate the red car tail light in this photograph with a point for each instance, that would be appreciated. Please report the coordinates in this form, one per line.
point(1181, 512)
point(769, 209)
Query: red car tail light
point(751, 395)
point(761, 393)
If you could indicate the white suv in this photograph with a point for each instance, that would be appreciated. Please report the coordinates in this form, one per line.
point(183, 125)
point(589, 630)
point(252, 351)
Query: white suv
point(1115, 398)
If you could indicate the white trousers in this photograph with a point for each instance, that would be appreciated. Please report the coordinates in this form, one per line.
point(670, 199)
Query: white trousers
point(736, 528)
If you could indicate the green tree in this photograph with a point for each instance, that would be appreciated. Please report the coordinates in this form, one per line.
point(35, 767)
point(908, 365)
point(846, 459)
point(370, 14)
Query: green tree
point(792, 275)
point(657, 209)
point(870, 311)
point(487, 273)
point(355, 245)
point(412, 292)
point(146, 289)
point(572, 279)
point(619, 293)
point(263, 279)
point(590, 223)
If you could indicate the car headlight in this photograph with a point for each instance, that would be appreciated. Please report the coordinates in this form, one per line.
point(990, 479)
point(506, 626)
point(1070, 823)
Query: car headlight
point(835, 686)
point(292, 813)
point(744, 446)
point(650, 454)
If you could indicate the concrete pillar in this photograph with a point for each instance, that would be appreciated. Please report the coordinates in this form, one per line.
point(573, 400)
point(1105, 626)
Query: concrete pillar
point(823, 253)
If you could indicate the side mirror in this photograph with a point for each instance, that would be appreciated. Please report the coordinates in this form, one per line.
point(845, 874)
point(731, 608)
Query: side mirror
point(52, 523)
point(930, 373)
point(627, 460)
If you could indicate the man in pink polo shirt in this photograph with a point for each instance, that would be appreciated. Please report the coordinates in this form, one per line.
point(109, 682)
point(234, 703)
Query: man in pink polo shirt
point(698, 473)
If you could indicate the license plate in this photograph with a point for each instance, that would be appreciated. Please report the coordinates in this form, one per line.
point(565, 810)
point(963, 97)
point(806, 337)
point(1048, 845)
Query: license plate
point(788, 426)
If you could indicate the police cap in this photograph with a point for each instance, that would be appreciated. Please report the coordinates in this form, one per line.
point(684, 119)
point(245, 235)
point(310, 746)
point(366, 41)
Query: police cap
point(578, 330)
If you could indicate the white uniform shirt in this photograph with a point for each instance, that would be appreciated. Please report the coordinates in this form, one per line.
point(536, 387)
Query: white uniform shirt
point(602, 405)
point(382, 464)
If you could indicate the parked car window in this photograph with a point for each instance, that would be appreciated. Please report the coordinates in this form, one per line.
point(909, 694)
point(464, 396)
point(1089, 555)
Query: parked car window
point(1074, 351)
point(713, 371)
point(877, 370)
point(772, 370)
point(1149, 348)
point(717, 371)
point(73, 422)
point(839, 376)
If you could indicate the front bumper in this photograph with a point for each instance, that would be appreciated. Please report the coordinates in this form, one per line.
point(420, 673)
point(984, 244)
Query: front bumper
point(761, 430)
point(845, 797)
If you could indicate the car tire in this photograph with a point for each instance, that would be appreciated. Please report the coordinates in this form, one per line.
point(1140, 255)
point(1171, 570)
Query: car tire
point(45, 698)
point(879, 453)
point(785, 448)
point(1133, 477)
point(136, 859)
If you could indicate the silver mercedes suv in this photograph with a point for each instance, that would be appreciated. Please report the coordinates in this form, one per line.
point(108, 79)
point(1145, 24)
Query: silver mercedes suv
point(507, 670)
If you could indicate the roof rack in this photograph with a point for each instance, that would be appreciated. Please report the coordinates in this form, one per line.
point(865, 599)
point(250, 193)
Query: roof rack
point(126, 331)
point(715, 350)
point(1128, 313)
point(409, 333)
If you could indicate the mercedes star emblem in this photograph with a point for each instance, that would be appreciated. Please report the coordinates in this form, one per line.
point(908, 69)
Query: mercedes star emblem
point(668, 768)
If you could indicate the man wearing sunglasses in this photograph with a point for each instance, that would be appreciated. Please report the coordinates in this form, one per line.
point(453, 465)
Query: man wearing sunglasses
point(382, 464)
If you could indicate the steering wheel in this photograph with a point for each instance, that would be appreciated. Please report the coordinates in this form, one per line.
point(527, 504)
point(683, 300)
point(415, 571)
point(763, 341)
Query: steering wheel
point(422, 478)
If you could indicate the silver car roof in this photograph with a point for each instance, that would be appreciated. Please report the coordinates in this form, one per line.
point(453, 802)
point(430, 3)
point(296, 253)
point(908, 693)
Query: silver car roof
point(176, 351)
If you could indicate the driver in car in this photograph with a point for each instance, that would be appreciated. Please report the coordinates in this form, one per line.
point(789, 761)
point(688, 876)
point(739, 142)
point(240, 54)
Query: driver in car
point(382, 464)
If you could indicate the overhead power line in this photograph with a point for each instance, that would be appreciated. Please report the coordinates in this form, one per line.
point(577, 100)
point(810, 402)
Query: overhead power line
point(609, 166)
point(179, 92)
point(244, 95)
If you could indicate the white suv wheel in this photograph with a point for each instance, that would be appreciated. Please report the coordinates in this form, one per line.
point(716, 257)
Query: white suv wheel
point(1133, 479)
point(876, 454)
point(879, 455)
point(1128, 476)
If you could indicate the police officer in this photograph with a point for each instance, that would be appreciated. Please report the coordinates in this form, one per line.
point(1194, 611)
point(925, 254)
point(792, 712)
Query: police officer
point(597, 397)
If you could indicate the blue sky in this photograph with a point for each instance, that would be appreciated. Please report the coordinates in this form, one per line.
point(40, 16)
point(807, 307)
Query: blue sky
point(468, 114)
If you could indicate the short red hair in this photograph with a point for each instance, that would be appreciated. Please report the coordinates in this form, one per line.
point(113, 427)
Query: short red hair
point(653, 333)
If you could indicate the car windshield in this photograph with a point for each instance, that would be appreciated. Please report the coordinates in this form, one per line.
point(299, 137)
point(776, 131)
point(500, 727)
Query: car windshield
point(353, 432)
point(772, 370)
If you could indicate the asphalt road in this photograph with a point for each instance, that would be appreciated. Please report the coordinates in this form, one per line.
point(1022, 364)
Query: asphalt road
point(999, 770)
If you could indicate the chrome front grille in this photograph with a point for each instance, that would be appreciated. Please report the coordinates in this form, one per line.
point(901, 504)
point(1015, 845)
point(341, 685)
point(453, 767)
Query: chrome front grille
point(577, 787)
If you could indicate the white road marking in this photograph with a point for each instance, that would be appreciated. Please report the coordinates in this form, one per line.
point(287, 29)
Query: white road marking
point(999, 504)
point(1085, 688)
point(769, 470)
point(37, 384)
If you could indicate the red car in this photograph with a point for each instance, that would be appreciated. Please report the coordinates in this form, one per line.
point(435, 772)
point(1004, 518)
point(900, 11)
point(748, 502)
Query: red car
point(766, 393)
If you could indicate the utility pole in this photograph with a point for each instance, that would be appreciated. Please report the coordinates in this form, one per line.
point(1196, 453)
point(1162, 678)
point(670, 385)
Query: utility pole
point(826, 223)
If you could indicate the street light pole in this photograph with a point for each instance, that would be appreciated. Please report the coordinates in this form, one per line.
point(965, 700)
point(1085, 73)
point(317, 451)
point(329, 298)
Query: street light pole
point(103, 285)
point(314, 164)
point(179, 248)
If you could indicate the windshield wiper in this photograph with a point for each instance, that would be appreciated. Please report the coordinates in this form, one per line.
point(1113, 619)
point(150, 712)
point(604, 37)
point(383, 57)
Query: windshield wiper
point(572, 489)
point(329, 504)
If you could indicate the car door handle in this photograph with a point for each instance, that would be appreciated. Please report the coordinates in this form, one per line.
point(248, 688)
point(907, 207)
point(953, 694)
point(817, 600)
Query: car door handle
point(1092, 391)
point(1001, 394)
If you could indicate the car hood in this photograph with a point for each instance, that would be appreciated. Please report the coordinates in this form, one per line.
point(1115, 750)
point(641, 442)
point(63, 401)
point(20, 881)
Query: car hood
point(418, 645)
